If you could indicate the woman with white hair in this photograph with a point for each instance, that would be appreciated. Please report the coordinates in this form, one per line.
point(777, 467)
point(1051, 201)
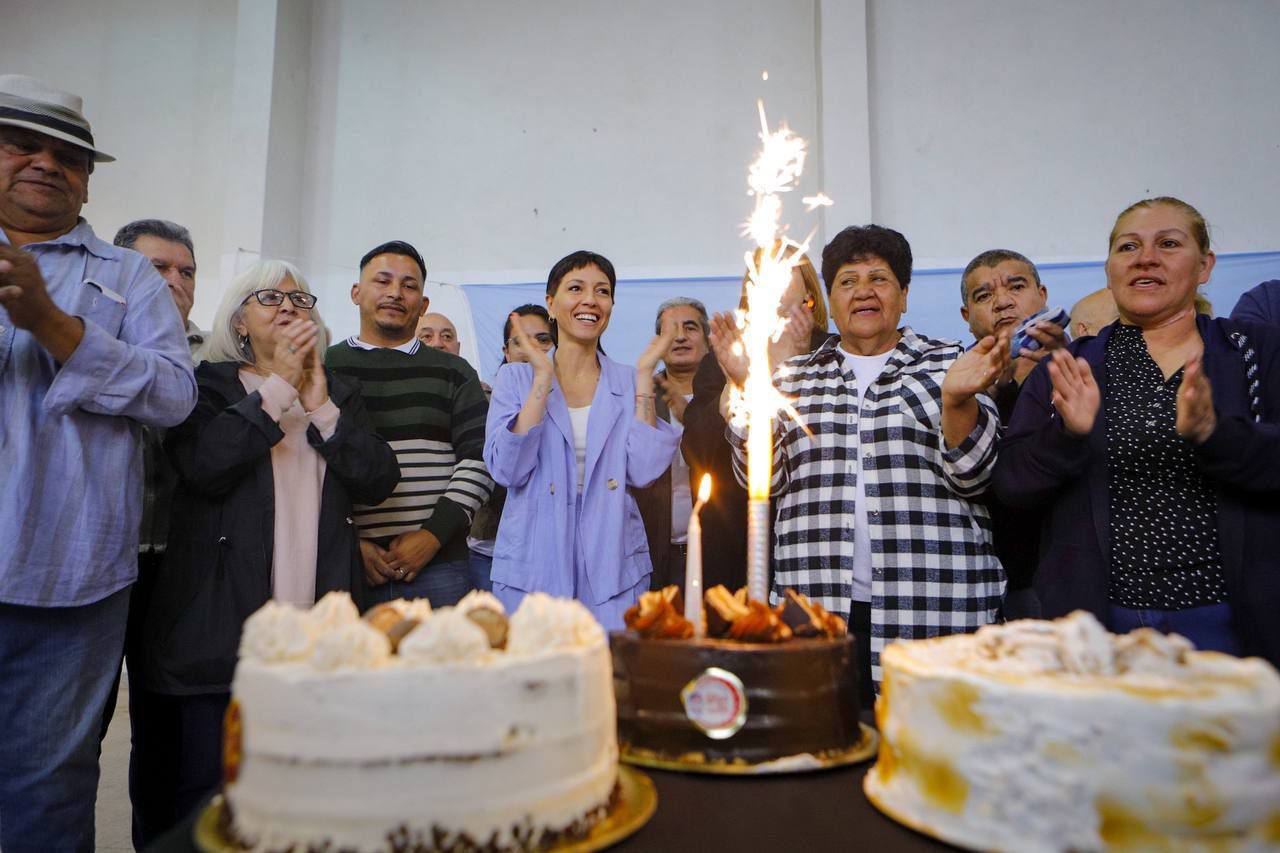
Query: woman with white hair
point(269, 464)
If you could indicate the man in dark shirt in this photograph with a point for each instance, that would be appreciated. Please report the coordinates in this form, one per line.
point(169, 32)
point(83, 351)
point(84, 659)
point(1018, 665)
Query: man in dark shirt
point(428, 404)
point(999, 289)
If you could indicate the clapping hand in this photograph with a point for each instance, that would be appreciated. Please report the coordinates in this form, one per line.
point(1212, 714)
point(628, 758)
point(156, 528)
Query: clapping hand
point(22, 288)
point(1075, 393)
point(975, 371)
point(658, 347)
point(726, 343)
point(524, 342)
point(794, 339)
point(1196, 419)
point(676, 402)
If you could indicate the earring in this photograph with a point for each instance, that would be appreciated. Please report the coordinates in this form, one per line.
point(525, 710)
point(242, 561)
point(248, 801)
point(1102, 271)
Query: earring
point(243, 342)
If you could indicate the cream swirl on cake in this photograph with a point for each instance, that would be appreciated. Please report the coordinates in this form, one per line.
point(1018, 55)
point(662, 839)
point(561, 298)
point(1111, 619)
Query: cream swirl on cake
point(1059, 736)
point(543, 623)
point(447, 637)
point(277, 633)
point(350, 645)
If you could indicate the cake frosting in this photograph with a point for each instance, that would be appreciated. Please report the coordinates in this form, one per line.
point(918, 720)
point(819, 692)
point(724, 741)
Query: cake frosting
point(1046, 736)
point(446, 744)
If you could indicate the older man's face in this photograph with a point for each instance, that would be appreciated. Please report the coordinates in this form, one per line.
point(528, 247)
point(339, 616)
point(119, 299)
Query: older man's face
point(691, 343)
point(176, 266)
point(43, 181)
point(998, 298)
point(436, 330)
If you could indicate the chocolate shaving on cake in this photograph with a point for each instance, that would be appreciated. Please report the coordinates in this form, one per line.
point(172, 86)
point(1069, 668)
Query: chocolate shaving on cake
point(761, 624)
point(808, 618)
point(723, 608)
point(658, 615)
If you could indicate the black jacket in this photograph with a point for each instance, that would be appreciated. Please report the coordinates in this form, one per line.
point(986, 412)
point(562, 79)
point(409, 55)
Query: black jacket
point(217, 567)
point(1043, 465)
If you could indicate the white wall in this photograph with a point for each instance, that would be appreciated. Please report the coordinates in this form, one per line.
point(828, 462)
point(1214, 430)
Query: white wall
point(498, 135)
point(1031, 123)
point(156, 83)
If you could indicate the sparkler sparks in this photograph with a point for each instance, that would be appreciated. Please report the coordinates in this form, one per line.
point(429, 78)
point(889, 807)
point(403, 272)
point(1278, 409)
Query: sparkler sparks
point(775, 171)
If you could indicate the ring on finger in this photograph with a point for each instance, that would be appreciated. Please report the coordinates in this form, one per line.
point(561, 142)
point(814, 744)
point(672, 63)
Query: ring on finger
point(292, 348)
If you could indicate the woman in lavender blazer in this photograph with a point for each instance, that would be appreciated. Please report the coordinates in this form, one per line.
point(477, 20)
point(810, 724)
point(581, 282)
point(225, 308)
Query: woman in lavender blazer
point(568, 435)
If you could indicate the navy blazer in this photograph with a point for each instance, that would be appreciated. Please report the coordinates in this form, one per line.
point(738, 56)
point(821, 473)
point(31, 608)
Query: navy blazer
point(1041, 464)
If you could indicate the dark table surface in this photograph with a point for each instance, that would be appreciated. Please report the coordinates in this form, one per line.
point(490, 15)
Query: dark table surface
point(698, 813)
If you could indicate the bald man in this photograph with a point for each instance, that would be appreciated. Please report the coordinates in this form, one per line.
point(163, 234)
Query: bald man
point(437, 331)
point(1092, 313)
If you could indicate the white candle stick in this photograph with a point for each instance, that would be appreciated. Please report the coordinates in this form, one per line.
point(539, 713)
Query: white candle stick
point(693, 563)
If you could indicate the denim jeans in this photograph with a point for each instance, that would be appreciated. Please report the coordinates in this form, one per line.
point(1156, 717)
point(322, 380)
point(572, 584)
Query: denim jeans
point(441, 583)
point(481, 567)
point(57, 668)
point(1209, 627)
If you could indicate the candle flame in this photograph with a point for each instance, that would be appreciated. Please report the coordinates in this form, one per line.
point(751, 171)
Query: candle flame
point(704, 489)
point(776, 170)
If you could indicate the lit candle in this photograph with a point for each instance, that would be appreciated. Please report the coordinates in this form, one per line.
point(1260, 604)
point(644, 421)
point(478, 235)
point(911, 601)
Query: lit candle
point(693, 562)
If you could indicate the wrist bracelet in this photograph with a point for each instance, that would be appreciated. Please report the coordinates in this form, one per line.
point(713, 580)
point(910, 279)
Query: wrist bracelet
point(649, 396)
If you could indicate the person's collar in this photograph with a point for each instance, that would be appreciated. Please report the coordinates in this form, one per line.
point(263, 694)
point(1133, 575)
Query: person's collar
point(81, 235)
point(409, 347)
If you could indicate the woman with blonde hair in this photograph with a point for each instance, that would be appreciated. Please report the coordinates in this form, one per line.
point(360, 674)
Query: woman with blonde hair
point(707, 451)
point(1154, 451)
point(268, 466)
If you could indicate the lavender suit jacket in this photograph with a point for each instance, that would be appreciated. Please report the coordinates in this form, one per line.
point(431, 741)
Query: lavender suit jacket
point(541, 531)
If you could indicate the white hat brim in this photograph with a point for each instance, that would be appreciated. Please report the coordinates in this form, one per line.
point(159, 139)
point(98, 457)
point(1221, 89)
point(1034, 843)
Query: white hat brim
point(98, 156)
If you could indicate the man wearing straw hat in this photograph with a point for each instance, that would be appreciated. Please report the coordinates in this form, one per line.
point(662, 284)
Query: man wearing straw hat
point(91, 349)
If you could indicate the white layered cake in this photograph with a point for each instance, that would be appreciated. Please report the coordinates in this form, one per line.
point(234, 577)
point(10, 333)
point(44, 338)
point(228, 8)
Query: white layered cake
point(1057, 735)
point(420, 731)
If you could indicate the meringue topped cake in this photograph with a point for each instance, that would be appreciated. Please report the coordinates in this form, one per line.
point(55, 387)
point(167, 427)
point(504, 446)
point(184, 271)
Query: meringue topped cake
point(1046, 736)
point(421, 730)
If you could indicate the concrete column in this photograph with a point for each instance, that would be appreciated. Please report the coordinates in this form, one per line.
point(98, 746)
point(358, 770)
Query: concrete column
point(268, 132)
point(844, 114)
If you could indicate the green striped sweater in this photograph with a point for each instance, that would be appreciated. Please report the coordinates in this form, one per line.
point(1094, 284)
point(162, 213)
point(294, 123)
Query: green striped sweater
point(430, 407)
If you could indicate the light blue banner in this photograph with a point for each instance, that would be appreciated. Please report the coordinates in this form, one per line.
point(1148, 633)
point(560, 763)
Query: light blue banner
point(933, 303)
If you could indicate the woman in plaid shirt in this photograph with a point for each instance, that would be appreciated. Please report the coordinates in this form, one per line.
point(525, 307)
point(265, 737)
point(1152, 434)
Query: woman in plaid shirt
point(874, 485)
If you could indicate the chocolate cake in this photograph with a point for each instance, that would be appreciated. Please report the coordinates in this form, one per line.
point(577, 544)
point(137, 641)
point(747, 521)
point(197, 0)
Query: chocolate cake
point(724, 701)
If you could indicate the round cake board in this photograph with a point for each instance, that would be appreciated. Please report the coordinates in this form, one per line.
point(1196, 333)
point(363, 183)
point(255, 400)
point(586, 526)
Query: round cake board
point(806, 763)
point(637, 801)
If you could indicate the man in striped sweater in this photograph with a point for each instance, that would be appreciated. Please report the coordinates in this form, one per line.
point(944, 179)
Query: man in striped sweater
point(429, 405)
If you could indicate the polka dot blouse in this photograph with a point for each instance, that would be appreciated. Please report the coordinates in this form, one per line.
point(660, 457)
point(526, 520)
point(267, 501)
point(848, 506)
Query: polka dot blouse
point(1164, 516)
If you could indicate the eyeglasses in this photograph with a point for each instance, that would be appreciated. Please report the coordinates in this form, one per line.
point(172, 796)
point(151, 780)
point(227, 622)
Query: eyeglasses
point(272, 298)
point(543, 338)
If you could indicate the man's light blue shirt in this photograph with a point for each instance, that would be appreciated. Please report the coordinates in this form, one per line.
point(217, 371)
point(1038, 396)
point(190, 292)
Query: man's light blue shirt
point(71, 434)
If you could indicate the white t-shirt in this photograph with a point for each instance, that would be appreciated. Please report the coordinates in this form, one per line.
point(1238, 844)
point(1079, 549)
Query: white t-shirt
point(866, 369)
point(681, 494)
point(578, 418)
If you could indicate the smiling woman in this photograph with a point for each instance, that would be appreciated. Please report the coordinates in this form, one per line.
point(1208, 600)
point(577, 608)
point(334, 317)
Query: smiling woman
point(1164, 425)
point(569, 433)
point(269, 465)
point(874, 481)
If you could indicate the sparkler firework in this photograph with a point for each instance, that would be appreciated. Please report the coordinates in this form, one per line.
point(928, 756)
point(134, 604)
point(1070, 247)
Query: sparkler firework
point(775, 171)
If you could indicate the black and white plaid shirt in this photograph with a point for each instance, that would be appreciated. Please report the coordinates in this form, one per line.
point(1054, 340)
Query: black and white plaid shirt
point(934, 571)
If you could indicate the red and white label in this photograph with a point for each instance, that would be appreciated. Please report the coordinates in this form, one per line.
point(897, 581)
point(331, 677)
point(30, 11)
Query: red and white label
point(716, 702)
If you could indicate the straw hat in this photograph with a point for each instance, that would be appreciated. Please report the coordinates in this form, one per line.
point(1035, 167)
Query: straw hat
point(35, 105)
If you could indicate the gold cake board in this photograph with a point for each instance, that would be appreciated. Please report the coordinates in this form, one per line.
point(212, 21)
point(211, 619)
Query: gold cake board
point(637, 801)
point(865, 749)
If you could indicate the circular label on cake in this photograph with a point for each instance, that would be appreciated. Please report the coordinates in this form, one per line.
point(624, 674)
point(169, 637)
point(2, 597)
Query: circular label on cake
point(716, 702)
